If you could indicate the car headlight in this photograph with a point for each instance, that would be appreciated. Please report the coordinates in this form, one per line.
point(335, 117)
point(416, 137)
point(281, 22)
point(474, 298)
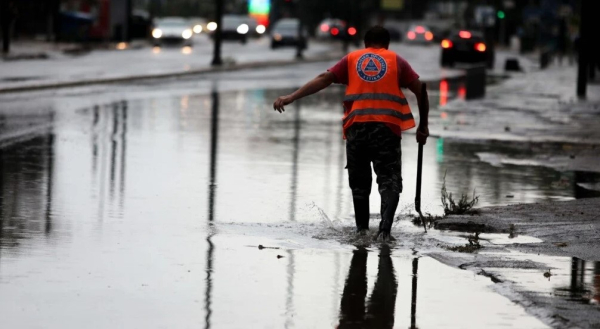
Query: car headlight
point(186, 34)
point(156, 33)
point(211, 26)
point(197, 28)
point(243, 29)
point(261, 29)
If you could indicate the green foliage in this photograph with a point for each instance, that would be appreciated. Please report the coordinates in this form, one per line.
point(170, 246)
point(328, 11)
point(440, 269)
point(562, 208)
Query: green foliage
point(452, 207)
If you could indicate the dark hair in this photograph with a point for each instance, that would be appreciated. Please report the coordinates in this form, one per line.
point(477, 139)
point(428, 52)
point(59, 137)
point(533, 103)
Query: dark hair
point(377, 35)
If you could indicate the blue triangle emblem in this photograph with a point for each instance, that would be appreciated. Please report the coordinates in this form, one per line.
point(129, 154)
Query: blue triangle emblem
point(371, 67)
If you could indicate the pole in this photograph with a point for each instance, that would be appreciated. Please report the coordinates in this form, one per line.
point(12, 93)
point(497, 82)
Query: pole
point(583, 50)
point(301, 41)
point(217, 61)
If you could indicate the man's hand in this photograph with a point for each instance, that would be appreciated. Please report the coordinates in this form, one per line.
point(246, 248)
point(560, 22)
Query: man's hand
point(281, 101)
point(422, 134)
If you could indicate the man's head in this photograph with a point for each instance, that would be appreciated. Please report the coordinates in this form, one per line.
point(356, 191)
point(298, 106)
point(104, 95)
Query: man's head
point(377, 37)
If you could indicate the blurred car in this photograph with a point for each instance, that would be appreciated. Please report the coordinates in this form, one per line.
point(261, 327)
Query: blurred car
point(395, 31)
point(331, 28)
point(235, 27)
point(285, 33)
point(419, 34)
point(198, 24)
point(255, 29)
point(467, 46)
point(172, 30)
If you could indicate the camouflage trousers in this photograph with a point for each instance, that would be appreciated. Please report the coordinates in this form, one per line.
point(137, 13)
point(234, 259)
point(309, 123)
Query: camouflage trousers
point(373, 142)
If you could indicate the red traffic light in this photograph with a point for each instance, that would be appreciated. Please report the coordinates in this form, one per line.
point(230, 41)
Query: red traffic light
point(352, 31)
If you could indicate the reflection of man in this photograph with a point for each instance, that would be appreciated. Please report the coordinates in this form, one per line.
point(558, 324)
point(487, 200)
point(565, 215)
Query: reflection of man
point(381, 306)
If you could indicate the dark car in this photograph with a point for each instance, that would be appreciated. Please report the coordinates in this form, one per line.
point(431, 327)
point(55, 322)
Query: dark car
point(285, 33)
point(419, 34)
point(467, 46)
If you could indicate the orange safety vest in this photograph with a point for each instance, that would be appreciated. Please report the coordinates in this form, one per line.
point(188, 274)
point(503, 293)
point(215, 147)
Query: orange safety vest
point(374, 91)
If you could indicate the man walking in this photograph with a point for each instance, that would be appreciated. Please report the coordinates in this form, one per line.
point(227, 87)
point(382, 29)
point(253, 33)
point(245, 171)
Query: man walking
point(375, 114)
point(8, 13)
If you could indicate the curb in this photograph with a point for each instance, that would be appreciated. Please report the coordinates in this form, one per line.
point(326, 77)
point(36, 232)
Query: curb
point(224, 68)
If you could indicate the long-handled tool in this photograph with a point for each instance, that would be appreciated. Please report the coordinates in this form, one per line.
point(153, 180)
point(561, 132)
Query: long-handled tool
point(419, 170)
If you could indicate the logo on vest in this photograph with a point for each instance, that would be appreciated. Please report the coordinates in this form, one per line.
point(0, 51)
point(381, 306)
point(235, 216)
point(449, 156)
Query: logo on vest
point(371, 67)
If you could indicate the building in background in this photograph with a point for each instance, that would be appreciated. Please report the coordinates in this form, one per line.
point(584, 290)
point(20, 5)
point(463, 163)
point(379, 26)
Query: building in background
point(73, 20)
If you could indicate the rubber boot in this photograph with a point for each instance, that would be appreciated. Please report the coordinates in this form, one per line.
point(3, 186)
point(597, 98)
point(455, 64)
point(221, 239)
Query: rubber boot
point(389, 203)
point(361, 214)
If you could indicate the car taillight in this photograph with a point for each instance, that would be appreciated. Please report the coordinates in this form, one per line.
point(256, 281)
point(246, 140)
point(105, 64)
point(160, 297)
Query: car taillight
point(411, 35)
point(352, 31)
point(428, 36)
point(324, 27)
point(446, 43)
point(335, 31)
point(480, 46)
point(464, 34)
point(419, 29)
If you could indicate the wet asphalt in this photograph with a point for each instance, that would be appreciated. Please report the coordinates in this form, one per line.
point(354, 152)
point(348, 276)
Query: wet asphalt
point(145, 205)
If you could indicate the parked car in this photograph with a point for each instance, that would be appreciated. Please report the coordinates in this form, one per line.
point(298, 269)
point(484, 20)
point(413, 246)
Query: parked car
point(419, 34)
point(467, 46)
point(172, 30)
point(285, 33)
point(235, 27)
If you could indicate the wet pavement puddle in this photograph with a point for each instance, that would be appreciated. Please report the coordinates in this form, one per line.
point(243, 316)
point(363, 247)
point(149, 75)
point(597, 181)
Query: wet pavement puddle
point(141, 212)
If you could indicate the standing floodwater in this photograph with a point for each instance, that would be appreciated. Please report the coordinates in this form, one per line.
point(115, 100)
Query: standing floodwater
point(147, 210)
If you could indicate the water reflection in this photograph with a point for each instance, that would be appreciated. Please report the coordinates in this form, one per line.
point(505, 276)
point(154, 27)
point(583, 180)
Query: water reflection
point(413, 300)
point(380, 308)
point(147, 159)
point(584, 284)
point(26, 189)
point(212, 186)
point(295, 153)
point(109, 148)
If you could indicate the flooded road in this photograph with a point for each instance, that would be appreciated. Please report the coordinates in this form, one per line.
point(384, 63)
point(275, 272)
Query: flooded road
point(149, 212)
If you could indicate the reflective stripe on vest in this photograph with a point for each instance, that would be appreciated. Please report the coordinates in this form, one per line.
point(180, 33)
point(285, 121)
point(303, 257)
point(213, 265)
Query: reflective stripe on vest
point(391, 112)
point(376, 97)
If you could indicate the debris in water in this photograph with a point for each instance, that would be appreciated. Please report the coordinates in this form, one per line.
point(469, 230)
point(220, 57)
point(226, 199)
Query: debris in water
point(561, 244)
point(510, 196)
point(472, 246)
point(547, 275)
point(491, 276)
point(261, 247)
point(279, 256)
point(511, 231)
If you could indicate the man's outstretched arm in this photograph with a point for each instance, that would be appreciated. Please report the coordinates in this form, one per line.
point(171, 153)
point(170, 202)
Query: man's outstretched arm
point(322, 81)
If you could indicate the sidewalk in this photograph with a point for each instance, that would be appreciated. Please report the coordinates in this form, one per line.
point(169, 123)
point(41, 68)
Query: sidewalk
point(540, 110)
point(68, 65)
